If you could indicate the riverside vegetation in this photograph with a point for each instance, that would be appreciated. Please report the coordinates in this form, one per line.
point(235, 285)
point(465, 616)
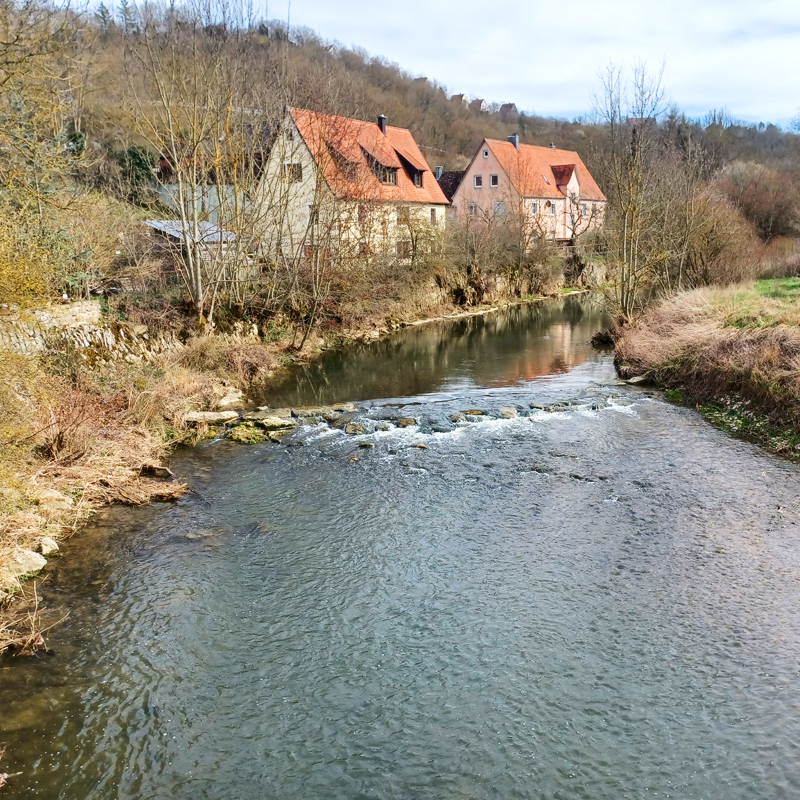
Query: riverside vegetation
point(691, 205)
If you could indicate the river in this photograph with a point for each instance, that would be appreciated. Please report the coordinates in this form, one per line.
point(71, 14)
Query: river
point(596, 598)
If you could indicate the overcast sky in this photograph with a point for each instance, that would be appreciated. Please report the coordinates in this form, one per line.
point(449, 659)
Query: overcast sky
point(743, 55)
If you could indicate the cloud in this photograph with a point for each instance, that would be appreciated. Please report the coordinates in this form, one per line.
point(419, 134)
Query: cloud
point(546, 56)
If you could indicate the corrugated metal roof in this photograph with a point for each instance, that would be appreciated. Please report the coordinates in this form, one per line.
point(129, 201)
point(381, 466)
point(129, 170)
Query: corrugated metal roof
point(208, 232)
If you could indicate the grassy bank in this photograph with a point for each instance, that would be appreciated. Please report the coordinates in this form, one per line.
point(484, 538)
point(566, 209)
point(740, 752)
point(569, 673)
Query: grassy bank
point(732, 352)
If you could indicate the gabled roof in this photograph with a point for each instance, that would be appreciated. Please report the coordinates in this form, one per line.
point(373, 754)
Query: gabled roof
point(450, 181)
point(343, 148)
point(544, 171)
point(207, 232)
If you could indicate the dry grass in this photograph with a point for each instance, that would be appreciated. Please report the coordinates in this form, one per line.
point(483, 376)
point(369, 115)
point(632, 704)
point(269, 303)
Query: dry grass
point(240, 361)
point(697, 342)
point(22, 629)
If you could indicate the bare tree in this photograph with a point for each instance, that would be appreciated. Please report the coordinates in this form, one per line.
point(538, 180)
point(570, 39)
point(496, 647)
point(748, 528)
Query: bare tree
point(630, 166)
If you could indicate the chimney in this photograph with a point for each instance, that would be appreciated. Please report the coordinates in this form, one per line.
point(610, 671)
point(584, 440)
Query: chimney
point(382, 124)
point(514, 139)
point(438, 172)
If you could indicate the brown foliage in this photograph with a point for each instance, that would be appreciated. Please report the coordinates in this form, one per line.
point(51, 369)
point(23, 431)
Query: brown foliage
point(767, 198)
point(235, 359)
point(684, 343)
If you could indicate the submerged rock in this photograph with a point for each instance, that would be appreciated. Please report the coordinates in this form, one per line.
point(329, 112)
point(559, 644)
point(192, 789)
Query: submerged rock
point(474, 412)
point(355, 429)
point(248, 434)
point(276, 423)
point(324, 412)
point(210, 417)
point(47, 545)
point(406, 422)
point(421, 446)
point(366, 445)
point(458, 418)
point(279, 436)
point(383, 426)
point(266, 411)
point(344, 408)
point(508, 412)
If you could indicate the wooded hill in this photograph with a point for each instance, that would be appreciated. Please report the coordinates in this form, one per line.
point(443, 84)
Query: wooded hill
point(305, 71)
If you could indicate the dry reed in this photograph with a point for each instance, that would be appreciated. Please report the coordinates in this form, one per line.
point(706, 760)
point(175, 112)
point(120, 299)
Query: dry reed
point(688, 343)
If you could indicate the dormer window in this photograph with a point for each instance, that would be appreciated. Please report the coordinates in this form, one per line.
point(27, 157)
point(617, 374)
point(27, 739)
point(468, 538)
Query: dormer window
point(383, 173)
point(418, 180)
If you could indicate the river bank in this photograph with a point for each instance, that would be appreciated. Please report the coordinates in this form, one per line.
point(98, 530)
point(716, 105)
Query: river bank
point(733, 353)
point(597, 591)
point(80, 438)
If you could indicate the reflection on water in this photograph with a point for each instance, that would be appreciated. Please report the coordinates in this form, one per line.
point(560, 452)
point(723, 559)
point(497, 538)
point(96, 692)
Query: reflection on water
point(596, 598)
point(499, 349)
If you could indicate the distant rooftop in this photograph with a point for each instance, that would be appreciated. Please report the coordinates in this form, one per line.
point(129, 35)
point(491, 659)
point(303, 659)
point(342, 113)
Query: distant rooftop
point(208, 233)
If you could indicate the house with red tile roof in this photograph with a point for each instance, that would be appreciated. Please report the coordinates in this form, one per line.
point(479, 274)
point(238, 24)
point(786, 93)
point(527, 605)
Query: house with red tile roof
point(550, 189)
point(348, 184)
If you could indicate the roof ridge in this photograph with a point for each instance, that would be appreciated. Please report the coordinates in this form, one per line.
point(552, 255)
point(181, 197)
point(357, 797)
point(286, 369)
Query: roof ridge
point(290, 109)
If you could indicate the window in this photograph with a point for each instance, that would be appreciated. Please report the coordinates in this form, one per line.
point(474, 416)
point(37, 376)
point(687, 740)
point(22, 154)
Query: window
point(534, 206)
point(594, 209)
point(473, 209)
point(313, 213)
point(433, 216)
point(494, 181)
point(363, 213)
point(418, 179)
point(486, 154)
point(499, 208)
point(289, 135)
point(584, 209)
point(403, 248)
point(478, 181)
point(293, 172)
point(552, 209)
point(403, 215)
point(382, 173)
point(546, 179)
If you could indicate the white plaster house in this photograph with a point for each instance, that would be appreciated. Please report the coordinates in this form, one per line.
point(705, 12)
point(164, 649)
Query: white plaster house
point(357, 188)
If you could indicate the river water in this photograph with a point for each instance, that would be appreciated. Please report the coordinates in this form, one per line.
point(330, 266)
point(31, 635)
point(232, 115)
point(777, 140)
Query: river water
point(597, 598)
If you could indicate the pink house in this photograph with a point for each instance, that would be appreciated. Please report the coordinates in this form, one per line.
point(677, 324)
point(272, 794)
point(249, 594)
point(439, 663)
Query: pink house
point(550, 190)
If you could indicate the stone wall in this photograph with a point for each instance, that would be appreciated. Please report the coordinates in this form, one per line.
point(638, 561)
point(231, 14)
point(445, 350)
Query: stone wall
point(79, 325)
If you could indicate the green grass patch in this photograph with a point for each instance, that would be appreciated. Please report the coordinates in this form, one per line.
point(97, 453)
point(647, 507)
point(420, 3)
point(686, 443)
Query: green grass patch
point(779, 289)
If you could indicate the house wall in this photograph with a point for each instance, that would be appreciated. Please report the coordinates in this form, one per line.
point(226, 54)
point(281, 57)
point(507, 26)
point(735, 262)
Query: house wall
point(356, 228)
point(563, 225)
point(206, 201)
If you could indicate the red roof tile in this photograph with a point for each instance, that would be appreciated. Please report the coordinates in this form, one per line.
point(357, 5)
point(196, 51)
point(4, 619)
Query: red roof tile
point(544, 171)
point(342, 148)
